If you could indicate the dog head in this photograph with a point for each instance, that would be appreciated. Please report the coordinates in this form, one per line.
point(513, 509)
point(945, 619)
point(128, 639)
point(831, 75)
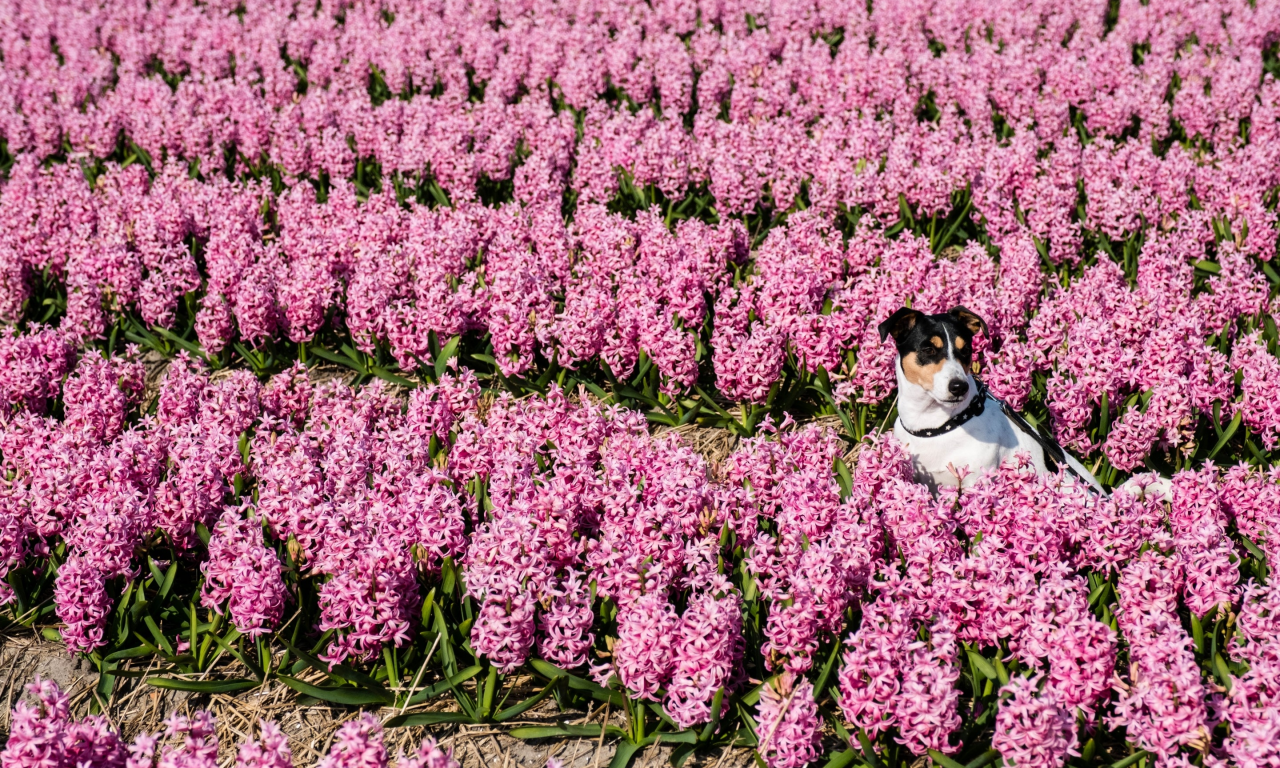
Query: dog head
point(935, 352)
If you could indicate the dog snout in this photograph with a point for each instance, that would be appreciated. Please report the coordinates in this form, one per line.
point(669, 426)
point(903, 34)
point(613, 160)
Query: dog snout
point(958, 388)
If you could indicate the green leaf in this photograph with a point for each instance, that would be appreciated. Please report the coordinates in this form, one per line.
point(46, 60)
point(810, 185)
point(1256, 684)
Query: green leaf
point(1097, 593)
point(106, 685)
point(625, 753)
point(986, 758)
point(657, 709)
point(553, 672)
point(228, 644)
point(842, 759)
point(1253, 548)
point(351, 697)
point(1270, 273)
point(716, 705)
point(1001, 672)
point(709, 400)
point(745, 736)
point(341, 672)
point(325, 354)
point(160, 639)
point(194, 349)
point(681, 753)
point(145, 649)
point(442, 359)
point(824, 677)
point(167, 584)
point(846, 477)
point(589, 731)
point(1211, 267)
point(1226, 434)
point(157, 575)
point(51, 634)
point(203, 686)
point(1130, 760)
point(868, 752)
point(427, 718)
point(984, 666)
point(943, 760)
point(388, 376)
point(460, 677)
point(448, 574)
point(671, 737)
point(1221, 672)
point(516, 710)
point(753, 696)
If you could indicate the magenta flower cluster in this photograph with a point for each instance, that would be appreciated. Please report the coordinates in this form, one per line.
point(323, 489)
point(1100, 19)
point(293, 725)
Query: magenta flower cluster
point(588, 541)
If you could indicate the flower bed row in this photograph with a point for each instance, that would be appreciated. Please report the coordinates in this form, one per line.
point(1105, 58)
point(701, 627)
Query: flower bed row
point(439, 544)
point(1149, 358)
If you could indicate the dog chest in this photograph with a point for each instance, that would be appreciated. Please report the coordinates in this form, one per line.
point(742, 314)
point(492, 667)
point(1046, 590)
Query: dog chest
point(977, 445)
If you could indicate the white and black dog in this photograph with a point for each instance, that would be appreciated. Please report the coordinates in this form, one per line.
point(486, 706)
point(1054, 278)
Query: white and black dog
point(947, 420)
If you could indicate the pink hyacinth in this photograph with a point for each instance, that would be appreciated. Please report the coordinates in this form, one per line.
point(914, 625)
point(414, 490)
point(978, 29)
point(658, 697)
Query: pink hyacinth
point(708, 650)
point(80, 594)
point(564, 627)
point(42, 734)
point(926, 710)
point(1032, 727)
point(871, 676)
point(503, 631)
point(790, 727)
point(428, 755)
point(99, 393)
point(370, 600)
point(1163, 706)
point(642, 657)
point(199, 742)
point(244, 573)
point(358, 744)
point(270, 750)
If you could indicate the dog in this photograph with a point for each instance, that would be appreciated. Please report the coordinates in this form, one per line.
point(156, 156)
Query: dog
point(947, 420)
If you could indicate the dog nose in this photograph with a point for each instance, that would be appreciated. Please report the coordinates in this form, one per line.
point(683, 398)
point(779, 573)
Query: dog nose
point(958, 388)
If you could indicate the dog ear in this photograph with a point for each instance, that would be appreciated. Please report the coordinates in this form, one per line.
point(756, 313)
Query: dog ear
point(898, 323)
point(969, 320)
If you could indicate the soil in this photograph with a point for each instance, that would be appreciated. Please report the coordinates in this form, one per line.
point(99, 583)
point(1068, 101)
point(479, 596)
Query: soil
point(136, 708)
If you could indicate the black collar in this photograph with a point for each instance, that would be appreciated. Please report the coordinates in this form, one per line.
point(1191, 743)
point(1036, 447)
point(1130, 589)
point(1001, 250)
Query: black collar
point(975, 408)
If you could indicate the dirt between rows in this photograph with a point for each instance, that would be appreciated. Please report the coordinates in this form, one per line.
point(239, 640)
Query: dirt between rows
point(137, 707)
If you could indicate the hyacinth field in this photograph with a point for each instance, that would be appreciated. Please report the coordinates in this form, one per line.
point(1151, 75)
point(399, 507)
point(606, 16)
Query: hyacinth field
point(546, 244)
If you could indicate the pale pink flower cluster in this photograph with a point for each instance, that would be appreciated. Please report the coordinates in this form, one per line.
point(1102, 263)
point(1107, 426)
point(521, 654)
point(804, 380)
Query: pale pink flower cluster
point(1252, 706)
point(1032, 727)
point(790, 726)
point(359, 744)
point(1163, 703)
point(244, 573)
point(45, 735)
